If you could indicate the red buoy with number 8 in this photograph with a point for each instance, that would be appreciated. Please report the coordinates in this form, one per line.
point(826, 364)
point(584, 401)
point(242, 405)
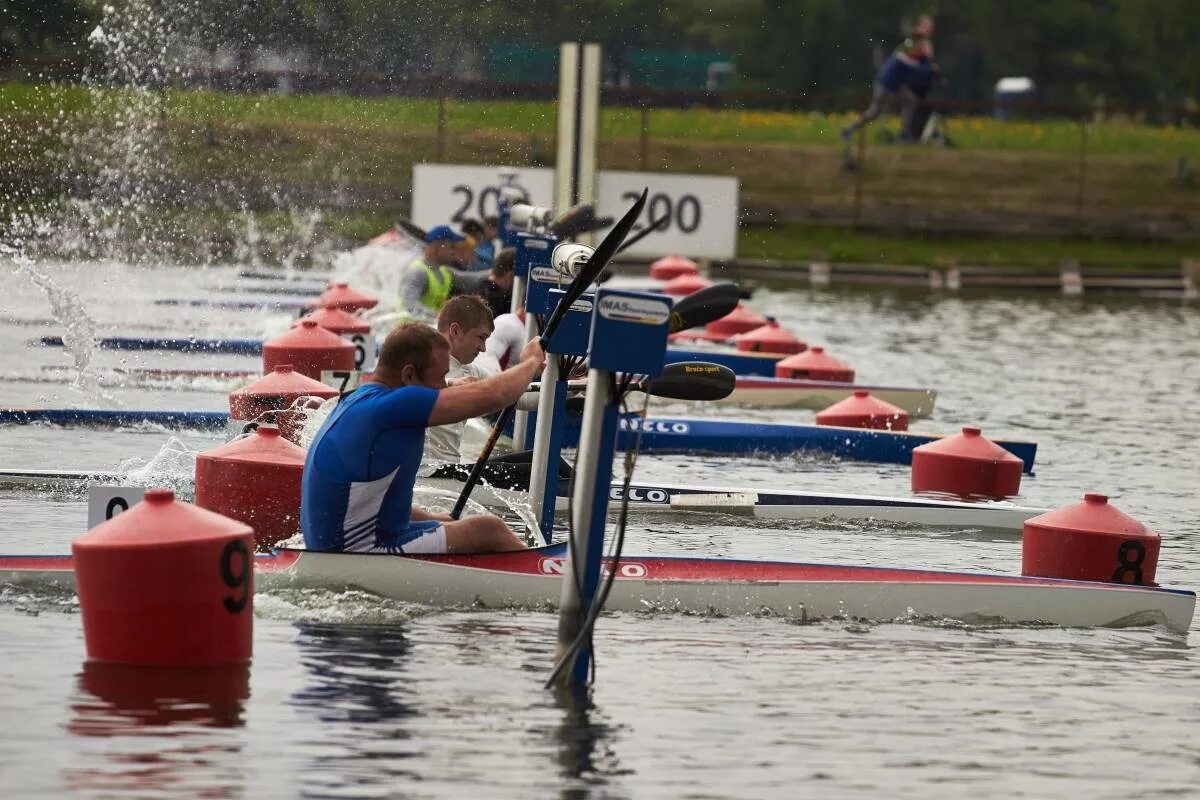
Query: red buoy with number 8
point(1089, 541)
point(167, 583)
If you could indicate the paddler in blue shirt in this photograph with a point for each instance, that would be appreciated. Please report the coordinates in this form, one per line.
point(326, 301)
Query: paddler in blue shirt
point(356, 492)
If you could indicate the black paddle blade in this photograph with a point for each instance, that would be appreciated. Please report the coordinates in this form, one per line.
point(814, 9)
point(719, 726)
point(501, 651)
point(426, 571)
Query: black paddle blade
point(616, 237)
point(692, 380)
point(661, 222)
point(595, 265)
point(413, 230)
point(704, 306)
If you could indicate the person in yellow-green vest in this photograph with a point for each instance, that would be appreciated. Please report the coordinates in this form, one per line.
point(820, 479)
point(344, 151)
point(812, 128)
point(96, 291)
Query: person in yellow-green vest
point(429, 281)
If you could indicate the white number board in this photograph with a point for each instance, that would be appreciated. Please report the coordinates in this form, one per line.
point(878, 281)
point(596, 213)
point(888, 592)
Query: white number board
point(364, 350)
point(447, 194)
point(105, 502)
point(701, 210)
point(344, 380)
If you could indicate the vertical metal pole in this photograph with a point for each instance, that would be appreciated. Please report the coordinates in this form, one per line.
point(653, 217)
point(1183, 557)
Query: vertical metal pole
point(578, 123)
point(589, 127)
point(589, 516)
point(539, 468)
point(569, 58)
point(521, 419)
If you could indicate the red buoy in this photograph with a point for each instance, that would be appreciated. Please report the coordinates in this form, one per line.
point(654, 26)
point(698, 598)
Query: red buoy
point(669, 267)
point(816, 365)
point(1089, 541)
point(769, 338)
point(337, 321)
point(861, 410)
point(685, 285)
point(255, 480)
point(166, 583)
point(309, 348)
point(740, 320)
point(967, 465)
point(268, 398)
point(340, 295)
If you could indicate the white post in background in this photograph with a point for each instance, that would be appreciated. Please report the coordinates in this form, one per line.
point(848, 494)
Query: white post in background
point(575, 166)
point(578, 125)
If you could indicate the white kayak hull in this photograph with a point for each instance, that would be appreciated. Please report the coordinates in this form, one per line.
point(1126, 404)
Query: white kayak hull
point(1068, 604)
point(532, 579)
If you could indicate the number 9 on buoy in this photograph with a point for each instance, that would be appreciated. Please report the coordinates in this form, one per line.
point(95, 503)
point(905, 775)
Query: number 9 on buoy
point(166, 583)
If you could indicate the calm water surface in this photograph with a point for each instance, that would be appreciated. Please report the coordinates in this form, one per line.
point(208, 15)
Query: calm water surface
point(352, 696)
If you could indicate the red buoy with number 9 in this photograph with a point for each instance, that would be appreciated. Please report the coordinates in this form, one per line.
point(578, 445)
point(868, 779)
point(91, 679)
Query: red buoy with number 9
point(1089, 541)
point(166, 583)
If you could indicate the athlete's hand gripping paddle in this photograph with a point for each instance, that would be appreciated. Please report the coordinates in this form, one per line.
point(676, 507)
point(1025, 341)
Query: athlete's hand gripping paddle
point(586, 277)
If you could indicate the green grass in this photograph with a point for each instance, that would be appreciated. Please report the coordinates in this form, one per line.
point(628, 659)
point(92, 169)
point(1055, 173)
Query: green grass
point(1114, 136)
point(843, 245)
point(353, 157)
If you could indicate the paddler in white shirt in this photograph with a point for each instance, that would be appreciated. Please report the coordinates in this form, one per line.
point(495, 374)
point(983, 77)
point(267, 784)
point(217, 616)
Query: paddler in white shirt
point(466, 322)
point(475, 353)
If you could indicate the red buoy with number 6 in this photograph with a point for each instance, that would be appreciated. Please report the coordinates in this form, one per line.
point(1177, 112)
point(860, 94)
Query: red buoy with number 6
point(166, 583)
point(309, 349)
point(1090, 541)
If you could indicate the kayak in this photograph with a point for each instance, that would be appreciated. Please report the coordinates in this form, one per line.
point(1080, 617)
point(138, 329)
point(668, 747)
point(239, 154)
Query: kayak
point(803, 591)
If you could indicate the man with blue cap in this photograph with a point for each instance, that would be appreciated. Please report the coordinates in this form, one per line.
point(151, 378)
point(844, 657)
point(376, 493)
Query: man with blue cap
point(430, 280)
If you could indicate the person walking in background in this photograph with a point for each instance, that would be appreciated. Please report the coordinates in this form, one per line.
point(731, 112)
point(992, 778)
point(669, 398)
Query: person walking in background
point(909, 68)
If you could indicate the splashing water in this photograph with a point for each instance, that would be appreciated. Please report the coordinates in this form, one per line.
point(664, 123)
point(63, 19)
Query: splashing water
point(173, 466)
point(79, 329)
point(116, 155)
point(303, 232)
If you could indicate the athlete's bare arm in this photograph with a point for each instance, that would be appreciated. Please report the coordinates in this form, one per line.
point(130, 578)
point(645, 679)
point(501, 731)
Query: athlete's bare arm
point(458, 403)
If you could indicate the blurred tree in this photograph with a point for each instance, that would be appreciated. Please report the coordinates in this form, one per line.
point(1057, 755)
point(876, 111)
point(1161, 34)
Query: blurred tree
point(822, 53)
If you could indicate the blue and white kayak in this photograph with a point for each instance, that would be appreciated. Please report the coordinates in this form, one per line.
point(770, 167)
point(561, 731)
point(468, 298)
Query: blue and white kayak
point(662, 434)
point(658, 434)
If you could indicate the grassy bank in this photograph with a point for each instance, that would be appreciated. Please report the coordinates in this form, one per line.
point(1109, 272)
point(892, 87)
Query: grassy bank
point(1022, 193)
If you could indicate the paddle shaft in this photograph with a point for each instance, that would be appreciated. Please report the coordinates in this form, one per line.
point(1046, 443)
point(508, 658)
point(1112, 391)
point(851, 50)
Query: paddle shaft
point(587, 275)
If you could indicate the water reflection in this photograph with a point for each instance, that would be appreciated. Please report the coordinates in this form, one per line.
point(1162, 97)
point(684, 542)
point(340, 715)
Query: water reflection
point(166, 729)
point(359, 692)
point(585, 747)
